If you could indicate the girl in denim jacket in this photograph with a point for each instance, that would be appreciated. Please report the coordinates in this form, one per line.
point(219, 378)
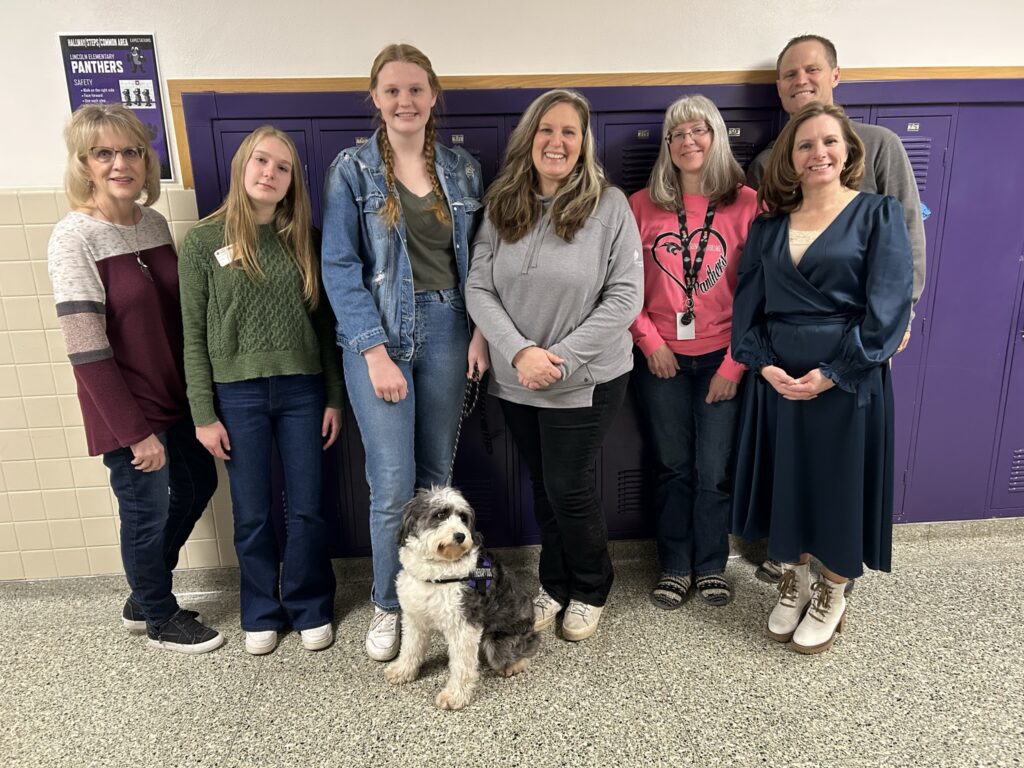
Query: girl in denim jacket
point(399, 214)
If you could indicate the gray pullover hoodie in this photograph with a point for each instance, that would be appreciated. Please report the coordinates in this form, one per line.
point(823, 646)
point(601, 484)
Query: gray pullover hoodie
point(575, 299)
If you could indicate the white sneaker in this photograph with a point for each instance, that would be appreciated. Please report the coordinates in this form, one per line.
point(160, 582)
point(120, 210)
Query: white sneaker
point(317, 638)
point(259, 643)
point(545, 610)
point(384, 635)
point(580, 620)
point(824, 618)
point(794, 595)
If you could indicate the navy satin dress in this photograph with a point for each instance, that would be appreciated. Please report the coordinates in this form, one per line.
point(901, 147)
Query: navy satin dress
point(817, 475)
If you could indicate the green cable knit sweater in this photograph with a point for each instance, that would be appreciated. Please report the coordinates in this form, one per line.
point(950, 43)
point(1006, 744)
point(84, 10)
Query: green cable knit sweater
point(238, 329)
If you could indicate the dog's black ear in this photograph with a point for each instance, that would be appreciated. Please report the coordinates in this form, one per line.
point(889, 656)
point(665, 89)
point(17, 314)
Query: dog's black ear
point(478, 539)
point(409, 515)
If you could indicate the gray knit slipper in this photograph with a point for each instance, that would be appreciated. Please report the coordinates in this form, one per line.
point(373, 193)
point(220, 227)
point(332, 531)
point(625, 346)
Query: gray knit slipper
point(670, 592)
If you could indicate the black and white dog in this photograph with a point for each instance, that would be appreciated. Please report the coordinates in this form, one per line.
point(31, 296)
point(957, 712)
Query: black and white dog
point(449, 584)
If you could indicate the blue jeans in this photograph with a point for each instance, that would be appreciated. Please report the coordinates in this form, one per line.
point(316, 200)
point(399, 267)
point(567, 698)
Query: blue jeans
point(409, 444)
point(158, 511)
point(288, 410)
point(693, 445)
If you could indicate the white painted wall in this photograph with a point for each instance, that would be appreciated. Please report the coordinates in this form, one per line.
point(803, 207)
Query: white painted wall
point(311, 38)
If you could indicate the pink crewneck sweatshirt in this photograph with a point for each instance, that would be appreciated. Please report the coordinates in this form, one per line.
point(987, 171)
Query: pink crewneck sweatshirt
point(716, 280)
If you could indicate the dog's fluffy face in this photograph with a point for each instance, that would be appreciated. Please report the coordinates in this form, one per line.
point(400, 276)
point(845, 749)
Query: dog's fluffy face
point(439, 523)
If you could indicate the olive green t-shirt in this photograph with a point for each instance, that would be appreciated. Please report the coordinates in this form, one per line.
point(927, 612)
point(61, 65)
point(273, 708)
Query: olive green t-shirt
point(431, 250)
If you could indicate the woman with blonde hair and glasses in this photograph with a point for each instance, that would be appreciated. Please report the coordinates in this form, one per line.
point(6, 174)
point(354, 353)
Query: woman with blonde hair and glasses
point(693, 218)
point(115, 281)
point(822, 304)
point(399, 214)
point(262, 369)
point(557, 278)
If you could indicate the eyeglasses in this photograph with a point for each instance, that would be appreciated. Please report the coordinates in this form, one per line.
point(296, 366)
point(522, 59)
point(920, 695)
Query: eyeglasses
point(107, 154)
point(679, 136)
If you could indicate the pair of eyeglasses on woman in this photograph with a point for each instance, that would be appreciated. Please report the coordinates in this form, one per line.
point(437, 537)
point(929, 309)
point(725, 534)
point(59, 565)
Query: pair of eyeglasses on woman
point(107, 154)
point(697, 133)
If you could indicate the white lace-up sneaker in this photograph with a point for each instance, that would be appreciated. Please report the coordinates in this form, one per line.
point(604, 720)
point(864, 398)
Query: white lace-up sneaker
point(317, 638)
point(259, 643)
point(545, 610)
point(580, 620)
point(794, 594)
point(824, 618)
point(384, 635)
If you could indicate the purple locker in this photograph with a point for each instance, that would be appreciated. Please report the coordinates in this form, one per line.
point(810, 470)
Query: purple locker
point(1008, 485)
point(331, 136)
point(975, 288)
point(629, 142)
point(925, 134)
point(350, 476)
point(482, 137)
point(229, 134)
point(624, 483)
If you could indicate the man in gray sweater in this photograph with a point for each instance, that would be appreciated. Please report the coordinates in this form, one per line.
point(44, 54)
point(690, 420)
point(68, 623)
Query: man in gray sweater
point(808, 70)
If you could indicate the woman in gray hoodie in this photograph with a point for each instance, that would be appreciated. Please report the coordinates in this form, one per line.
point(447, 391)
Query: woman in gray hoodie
point(556, 279)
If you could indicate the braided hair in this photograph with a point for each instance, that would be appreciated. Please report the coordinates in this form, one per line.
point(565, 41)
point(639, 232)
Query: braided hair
point(409, 54)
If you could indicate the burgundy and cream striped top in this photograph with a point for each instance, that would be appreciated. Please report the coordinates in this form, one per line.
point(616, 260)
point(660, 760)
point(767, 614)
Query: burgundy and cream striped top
point(122, 329)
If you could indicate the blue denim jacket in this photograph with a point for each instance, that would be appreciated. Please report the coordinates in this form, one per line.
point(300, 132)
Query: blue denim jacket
point(366, 270)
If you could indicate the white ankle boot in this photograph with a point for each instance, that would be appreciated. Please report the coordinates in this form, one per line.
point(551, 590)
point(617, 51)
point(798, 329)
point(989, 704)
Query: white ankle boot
point(824, 618)
point(794, 594)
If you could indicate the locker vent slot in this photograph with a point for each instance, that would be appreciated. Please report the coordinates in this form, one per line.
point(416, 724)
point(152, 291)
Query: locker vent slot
point(743, 151)
point(630, 492)
point(919, 150)
point(637, 162)
point(1016, 484)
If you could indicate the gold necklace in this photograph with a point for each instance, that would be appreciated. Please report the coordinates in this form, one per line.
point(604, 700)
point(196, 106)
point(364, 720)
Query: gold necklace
point(137, 251)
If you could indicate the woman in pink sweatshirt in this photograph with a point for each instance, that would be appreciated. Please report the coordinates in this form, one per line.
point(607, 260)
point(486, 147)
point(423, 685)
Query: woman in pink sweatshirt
point(693, 218)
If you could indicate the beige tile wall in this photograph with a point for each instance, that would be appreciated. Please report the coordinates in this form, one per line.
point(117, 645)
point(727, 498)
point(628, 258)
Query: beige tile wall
point(57, 514)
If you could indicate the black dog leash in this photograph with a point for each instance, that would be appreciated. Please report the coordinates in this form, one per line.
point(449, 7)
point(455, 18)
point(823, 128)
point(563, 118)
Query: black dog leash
point(476, 387)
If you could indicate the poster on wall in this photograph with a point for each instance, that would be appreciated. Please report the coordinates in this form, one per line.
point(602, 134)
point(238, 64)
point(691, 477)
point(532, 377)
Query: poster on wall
point(118, 69)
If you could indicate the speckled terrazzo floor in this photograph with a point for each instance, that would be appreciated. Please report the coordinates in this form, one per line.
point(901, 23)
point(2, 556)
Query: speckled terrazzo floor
point(929, 673)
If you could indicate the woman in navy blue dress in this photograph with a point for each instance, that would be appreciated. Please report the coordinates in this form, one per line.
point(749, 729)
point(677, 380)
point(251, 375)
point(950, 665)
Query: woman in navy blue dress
point(822, 302)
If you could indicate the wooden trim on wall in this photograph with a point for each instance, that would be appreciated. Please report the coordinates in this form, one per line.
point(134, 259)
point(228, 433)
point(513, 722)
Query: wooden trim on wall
point(578, 80)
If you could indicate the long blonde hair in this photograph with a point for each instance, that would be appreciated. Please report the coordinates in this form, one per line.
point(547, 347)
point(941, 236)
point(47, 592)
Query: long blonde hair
point(409, 54)
point(293, 219)
point(80, 135)
point(780, 191)
point(512, 203)
point(721, 176)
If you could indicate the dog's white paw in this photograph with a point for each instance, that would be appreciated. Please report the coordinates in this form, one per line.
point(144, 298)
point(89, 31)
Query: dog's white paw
point(397, 673)
point(451, 699)
point(516, 668)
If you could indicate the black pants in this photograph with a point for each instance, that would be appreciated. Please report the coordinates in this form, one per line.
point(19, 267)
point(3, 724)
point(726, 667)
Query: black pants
point(559, 445)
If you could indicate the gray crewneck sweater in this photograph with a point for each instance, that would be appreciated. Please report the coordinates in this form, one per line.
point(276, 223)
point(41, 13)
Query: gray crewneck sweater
point(575, 299)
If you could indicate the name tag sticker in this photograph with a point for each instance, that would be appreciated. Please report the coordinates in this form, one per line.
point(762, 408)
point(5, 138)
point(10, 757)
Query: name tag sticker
point(223, 255)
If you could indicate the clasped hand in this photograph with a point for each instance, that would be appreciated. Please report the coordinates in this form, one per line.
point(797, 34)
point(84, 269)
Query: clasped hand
point(536, 368)
point(807, 387)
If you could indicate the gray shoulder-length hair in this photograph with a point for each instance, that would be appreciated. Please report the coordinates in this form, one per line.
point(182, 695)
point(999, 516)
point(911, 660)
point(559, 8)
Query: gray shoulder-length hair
point(721, 176)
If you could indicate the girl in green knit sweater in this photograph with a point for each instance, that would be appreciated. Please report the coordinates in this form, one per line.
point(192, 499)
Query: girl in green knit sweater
point(262, 368)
